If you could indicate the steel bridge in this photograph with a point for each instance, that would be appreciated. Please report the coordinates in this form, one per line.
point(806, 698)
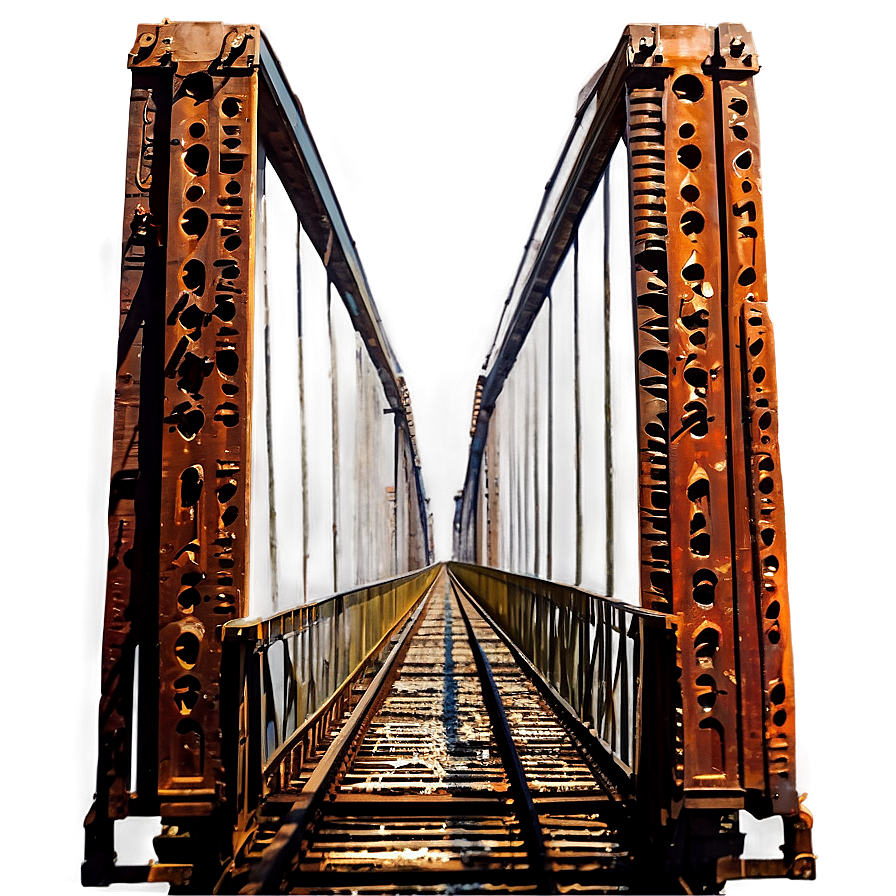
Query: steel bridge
point(588, 694)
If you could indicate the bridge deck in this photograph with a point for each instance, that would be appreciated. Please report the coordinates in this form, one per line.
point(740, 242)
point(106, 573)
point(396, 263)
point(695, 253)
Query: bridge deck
point(428, 799)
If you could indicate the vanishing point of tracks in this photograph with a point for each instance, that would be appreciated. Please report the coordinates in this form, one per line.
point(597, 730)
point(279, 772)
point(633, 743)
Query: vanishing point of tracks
point(451, 774)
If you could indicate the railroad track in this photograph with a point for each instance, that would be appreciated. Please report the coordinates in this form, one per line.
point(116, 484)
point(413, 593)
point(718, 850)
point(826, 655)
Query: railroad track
point(450, 774)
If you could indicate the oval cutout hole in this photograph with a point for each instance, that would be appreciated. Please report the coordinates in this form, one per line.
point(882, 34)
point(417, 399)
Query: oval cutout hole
point(186, 693)
point(688, 88)
point(188, 600)
point(690, 156)
point(228, 361)
point(191, 486)
point(708, 698)
point(194, 222)
point(707, 642)
point(231, 107)
point(744, 160)
point(196, 159)
point(705, 581)
point(747, 276)
point(226, 491)
point(200, 86)
point(186, 649)
point(225, 309)
point(193, 276)
point(698, 489)
point(692, 222)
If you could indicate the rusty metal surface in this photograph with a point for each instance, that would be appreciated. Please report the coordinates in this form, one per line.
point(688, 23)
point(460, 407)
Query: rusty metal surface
point(180, 493)
point(712, 545)
point(740, 196)
point(209, 312)
point(758, 465)
point(696, 426)
point(134, 444)
point(234, 720)
point(647, 163)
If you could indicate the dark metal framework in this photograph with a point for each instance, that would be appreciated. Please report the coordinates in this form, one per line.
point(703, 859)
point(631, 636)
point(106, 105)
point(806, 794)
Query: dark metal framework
point(208, 101)
point(712, 552)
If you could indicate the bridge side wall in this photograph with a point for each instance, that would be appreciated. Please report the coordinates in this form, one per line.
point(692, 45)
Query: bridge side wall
point(208, 104)
point(712, 546)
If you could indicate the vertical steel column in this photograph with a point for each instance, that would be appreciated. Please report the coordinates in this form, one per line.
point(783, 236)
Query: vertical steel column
point(763, 606)
point(132, 579)
point(645, 139)
point(696, 430)
point(209, 303)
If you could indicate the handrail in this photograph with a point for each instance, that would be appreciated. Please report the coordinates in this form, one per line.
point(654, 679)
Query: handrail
point(284, 671)
point(268, 874)
point(595, 653)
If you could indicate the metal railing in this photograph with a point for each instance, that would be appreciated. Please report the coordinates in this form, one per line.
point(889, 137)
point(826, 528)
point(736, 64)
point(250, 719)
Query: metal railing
point(598, 656)
point(293, 670)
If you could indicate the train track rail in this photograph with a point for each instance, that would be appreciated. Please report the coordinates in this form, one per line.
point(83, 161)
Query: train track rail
point(450, 774)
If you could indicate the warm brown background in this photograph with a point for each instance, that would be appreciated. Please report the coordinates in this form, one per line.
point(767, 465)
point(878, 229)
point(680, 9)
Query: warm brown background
point(439, 124)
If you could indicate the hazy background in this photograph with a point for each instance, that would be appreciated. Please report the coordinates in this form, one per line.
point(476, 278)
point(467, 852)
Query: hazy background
point(439, 125)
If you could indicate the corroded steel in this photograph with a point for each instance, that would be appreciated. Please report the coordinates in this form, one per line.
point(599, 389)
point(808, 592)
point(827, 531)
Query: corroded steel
point(710, 506)
point(132, 502)
point(740, 197)
point(761, 558)
point(207, 403)
point(208, 104)
point(673, 715)
point(647, 164)
point(696, 431)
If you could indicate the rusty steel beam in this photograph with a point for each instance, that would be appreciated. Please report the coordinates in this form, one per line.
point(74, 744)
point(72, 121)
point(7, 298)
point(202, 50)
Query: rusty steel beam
point(753, 386)
point(208, 101)
point(647, 169)
point(712, 543)
point(739, 197)
point(693, 371)
point(131, 579)
point(209, 312)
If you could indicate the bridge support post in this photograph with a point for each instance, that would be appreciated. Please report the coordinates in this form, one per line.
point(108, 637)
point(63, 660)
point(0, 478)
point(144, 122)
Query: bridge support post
point(180, 484)
point(712, 549)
